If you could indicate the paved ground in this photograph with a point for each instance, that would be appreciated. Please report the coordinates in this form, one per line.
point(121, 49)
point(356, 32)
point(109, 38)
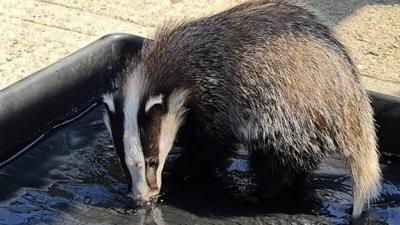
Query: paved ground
point(36, 33)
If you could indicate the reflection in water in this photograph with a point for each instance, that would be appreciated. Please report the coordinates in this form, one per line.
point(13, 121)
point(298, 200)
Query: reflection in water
point(73, 177)
point(151, 216)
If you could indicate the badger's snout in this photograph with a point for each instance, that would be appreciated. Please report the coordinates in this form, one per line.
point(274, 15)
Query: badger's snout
point(149, 195)
point(146, 198)
point(144, 186)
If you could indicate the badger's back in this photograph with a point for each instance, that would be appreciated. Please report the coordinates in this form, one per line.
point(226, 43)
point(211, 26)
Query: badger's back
point(270, 75)
point(258, 62)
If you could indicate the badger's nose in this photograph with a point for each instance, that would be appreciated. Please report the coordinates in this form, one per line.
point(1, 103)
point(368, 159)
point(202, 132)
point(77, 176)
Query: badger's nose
point(148, 197)
point(154, 191)
point(142, 200)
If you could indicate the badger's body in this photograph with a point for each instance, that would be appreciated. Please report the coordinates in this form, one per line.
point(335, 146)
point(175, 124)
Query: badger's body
point(265, 77)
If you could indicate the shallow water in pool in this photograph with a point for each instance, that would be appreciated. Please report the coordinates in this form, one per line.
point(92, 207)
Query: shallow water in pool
point(73, 177)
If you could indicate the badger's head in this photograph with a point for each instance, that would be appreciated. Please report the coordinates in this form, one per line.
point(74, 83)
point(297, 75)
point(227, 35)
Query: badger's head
point(143, 125)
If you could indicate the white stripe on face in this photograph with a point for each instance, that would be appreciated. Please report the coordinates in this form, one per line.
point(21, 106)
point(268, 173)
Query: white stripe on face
point(134, 157)
point(153, 101)
point(169, 127)
point(109, 100)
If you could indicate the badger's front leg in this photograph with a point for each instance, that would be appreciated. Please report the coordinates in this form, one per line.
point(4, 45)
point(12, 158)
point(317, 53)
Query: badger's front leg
point(235, 174)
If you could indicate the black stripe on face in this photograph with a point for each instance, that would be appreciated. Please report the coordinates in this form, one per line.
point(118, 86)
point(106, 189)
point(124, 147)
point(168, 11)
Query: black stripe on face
point(150, 129)
point(117, 133)
point(151, 173)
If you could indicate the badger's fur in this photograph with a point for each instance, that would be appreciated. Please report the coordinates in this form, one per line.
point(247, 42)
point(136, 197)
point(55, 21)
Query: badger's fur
point(264, 76)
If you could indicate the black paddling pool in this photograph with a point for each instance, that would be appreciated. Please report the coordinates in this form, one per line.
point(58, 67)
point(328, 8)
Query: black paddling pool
point(58, 166)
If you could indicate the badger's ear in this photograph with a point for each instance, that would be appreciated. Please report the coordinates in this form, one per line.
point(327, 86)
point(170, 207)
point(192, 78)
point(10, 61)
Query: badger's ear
point(152, 101)
point(108, 100)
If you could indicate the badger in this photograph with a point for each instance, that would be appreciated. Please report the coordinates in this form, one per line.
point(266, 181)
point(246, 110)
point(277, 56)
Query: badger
point(266, 77)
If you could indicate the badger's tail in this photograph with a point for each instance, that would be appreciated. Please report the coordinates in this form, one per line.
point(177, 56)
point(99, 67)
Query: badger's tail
point(365, 170)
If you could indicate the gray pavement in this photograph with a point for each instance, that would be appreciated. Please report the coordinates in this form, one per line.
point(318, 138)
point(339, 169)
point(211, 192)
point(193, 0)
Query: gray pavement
point(35, 33)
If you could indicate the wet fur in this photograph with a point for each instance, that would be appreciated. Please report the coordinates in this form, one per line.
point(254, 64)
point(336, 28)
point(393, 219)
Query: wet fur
point(269, 77)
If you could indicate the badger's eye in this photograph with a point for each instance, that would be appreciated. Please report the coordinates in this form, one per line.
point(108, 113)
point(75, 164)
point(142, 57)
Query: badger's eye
point(152, 162)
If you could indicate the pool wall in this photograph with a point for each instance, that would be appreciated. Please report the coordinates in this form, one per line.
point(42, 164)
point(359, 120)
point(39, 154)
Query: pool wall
point(61, 91)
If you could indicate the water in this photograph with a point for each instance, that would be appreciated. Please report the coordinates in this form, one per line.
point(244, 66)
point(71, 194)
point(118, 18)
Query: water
point(73, 177)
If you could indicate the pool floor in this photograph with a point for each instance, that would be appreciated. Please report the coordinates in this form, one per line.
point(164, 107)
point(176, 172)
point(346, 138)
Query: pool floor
point(73, 177)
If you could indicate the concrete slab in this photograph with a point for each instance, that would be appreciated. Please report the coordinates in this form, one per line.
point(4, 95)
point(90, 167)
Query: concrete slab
point(35, 33)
